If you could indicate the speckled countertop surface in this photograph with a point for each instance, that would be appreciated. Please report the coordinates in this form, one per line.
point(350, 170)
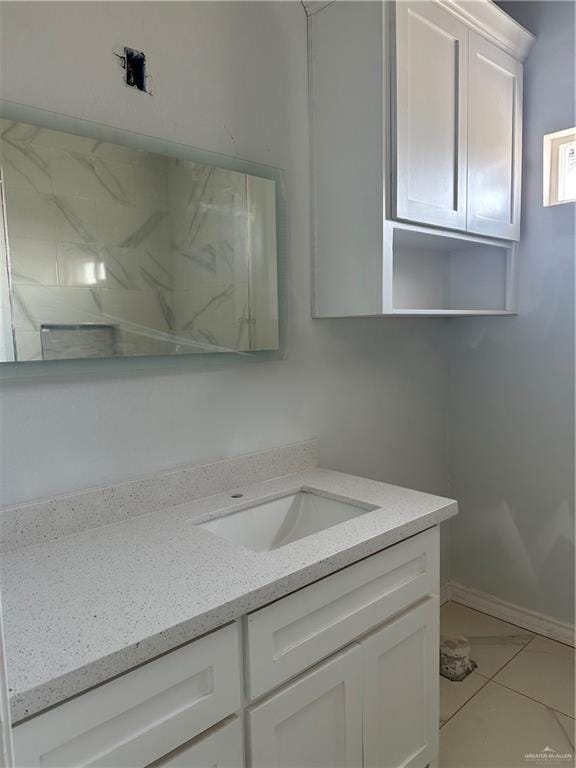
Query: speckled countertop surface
point(83, 608)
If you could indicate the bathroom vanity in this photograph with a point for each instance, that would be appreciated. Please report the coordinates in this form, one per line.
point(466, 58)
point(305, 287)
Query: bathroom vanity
point(288, 622)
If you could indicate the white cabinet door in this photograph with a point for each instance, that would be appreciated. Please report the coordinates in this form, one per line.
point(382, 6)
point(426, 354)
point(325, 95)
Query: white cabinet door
point(431, 112)
point(221, 748)
point(401, 690)
point(495, 140)
point(314, 722)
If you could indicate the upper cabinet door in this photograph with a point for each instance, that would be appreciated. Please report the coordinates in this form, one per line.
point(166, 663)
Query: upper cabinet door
point(495, 140)
point(431, 113)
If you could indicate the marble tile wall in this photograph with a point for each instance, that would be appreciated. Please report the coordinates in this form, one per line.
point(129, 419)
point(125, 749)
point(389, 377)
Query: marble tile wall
point(210, 229)
point(154, 246)
point(88, 232)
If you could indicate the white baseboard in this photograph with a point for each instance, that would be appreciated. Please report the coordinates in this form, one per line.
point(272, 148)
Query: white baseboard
point(445, 593)
point(500, 609)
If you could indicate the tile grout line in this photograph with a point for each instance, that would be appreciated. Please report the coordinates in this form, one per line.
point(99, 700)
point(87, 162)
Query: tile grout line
point(491, 679)
point(531, 698)
point(484, 684)
point(570, 738)
point(510, 624)
point(503, 685)
point(522, 648)
point(484, 677)
point(518, 652)
point(541, 703)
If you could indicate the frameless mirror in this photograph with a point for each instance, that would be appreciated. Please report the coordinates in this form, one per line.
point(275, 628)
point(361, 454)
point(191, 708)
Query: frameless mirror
point(109, 249)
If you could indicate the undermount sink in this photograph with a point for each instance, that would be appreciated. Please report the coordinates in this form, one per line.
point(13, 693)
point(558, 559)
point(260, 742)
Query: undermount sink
point(274, 524)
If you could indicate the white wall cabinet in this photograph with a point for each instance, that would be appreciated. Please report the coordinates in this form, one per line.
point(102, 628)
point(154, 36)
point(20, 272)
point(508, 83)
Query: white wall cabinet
point(356, 686)
point(416, 124)
point(495, 140)
point(458, 125)
point(431, 115)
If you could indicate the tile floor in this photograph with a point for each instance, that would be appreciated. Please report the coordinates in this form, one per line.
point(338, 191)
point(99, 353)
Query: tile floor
point(517, 708)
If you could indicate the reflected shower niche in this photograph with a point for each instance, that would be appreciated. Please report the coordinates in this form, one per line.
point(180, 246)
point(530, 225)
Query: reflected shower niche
point(116, 245)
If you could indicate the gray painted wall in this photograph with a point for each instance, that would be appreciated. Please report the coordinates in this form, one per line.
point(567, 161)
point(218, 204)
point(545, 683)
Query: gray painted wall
point(512, 380)
point(230, 78)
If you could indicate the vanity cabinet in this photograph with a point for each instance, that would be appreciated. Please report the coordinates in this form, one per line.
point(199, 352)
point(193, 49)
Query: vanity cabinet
point(373, 705)
point(342, 673)
point(416, 125)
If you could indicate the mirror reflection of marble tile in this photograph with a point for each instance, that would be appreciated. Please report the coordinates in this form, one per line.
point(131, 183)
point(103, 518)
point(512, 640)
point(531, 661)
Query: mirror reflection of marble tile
point(88, 264)
point(135, 343)
point(27, 135)
point(156, 267)
point(33, 262)
point(28, 345)
point(79, 175)
point(179, 256)
point(26, 168)
point(150, 182)
point(129, 226)
point(35, 305)
point(49, 217)
point(142, 309)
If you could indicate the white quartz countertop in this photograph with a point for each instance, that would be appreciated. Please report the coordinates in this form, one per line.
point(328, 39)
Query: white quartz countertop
point(80, 609)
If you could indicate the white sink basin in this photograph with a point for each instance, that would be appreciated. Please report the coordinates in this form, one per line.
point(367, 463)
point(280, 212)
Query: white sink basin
point(274, 524)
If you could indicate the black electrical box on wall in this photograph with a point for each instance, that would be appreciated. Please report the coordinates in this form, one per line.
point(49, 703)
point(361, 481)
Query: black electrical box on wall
point(135, 65)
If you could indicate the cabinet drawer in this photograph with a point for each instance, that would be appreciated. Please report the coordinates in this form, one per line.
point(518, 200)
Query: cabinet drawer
point(297, 631)
point(142, 715)
point(220, 748)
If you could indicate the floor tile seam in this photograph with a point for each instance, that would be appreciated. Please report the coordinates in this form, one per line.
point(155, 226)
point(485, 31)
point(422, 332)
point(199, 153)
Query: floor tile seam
point(531, 698)
point(461, 707)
